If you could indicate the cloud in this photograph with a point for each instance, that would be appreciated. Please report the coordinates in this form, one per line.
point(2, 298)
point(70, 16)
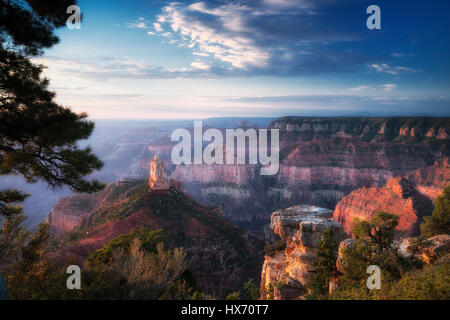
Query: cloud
point(360, 88)
point(401, 55)
point(201, 54)
point(389, 86)
point(394, 70)
point(108, 68)
point(200, 65)
point(67, 88)
point(158, 27)
point(141, 23)
point(261, 37)
point(348, 105)
point(384, 87)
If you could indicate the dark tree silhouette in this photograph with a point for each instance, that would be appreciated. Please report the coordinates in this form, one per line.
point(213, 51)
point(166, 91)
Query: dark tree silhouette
point(38, 137)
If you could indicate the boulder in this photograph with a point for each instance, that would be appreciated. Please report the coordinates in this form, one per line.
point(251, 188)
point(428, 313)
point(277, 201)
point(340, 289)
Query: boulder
point(434, 248)
point(429, 250)
point(408, 247)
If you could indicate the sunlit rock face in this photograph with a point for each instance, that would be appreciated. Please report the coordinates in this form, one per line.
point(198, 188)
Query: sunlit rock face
point(157, 180)
point(409, 197)
point(301, 227)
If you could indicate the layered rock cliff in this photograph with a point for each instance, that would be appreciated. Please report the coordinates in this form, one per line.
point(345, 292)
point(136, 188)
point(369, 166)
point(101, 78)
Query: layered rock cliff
point(321, 161)
point(368, 129)
point(409, 197)
point(289, 270)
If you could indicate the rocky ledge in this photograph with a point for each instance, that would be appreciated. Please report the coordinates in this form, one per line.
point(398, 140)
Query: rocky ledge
point(289, 270)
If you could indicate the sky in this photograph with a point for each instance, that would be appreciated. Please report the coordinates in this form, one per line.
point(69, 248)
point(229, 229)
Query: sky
point(254, 58)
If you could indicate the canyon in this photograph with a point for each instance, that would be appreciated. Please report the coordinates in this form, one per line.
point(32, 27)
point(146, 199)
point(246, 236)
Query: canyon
point(321, 161)
point(354, 166)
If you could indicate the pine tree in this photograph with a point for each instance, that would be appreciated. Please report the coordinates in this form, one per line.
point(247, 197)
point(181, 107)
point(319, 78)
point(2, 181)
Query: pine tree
point(325, 264)
point(439, 221)
point(38, 137)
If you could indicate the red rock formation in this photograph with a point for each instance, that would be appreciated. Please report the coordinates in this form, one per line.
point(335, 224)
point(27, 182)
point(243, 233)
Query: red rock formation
point(69, 212)
point(223, 256)
point(408, 197)
point(302, 228)
point(431, 180)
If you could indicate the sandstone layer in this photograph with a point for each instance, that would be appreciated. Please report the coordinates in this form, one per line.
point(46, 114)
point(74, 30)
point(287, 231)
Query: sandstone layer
point(289, 270)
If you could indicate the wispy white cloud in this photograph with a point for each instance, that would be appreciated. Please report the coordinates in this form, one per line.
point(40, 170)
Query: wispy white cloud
point(384, 87)
point(158, 27)
point(389, 86)
point(360, 88)
point(394, 70)
point(109, 68)
point(201, 54)
point(141, 23)
point(402, 55)
point(200, 65)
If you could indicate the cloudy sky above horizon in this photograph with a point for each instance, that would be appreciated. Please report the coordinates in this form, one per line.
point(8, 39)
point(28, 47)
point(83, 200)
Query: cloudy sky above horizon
point(255, 58)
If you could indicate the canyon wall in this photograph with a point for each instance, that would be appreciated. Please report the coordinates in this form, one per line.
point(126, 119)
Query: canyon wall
point(321, 161)
point(409, 197)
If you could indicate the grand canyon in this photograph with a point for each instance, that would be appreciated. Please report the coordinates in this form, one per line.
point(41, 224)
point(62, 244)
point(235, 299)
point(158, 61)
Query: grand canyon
point(207, 150)
point(355, 167)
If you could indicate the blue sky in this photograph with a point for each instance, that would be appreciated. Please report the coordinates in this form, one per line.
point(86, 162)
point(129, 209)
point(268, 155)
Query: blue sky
point(191, 59)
